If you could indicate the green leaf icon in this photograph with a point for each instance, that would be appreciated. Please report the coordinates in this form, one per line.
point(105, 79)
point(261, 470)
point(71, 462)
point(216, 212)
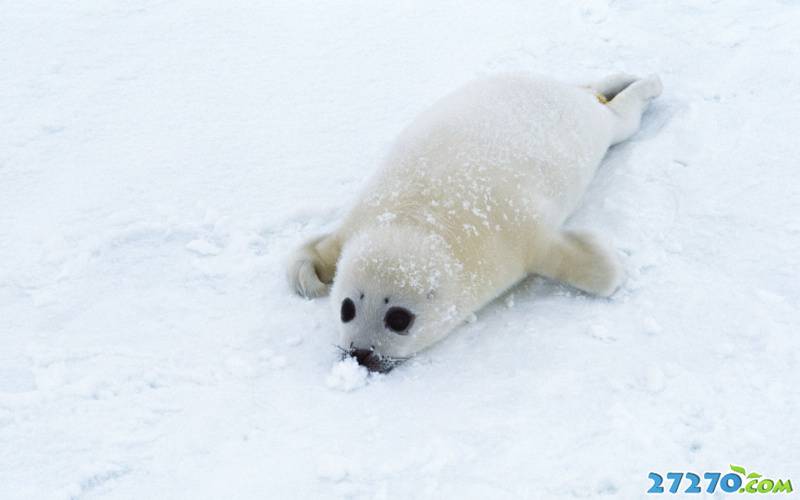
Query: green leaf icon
point(753, 475)
point(740, 470)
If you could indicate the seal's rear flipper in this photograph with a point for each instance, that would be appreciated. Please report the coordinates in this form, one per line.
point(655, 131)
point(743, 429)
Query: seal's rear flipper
point(629, 105)
point(612, 85)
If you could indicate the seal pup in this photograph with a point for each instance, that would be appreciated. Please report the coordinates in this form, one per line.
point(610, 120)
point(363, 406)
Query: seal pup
point(469, 201)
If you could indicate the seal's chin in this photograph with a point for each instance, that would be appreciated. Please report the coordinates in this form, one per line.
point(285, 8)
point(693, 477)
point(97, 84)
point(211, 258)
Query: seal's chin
point(373, 361)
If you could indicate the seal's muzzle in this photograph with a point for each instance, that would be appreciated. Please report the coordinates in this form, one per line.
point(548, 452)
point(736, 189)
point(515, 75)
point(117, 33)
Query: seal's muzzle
point(373, 361)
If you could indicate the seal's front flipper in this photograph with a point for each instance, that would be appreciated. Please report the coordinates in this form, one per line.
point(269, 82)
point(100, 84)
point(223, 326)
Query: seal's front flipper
point(580, 260)
point(313, 265)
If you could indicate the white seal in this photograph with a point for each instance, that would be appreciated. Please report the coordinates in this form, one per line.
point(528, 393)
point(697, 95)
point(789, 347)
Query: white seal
point(469, 201)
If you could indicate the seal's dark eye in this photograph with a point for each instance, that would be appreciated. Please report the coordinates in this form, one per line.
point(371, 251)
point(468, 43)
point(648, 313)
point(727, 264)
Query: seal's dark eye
point(398, 320)
point(348, 310)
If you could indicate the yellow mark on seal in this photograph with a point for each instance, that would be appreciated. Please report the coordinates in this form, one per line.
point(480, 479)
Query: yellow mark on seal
point(601, 98)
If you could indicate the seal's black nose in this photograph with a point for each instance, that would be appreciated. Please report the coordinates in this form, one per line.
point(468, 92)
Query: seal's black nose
point(367, 358)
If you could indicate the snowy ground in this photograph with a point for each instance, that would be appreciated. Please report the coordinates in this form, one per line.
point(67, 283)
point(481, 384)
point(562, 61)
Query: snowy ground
point(158, 159)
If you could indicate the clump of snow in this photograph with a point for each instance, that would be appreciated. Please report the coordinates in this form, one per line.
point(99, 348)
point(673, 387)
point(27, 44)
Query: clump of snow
point(347, 375)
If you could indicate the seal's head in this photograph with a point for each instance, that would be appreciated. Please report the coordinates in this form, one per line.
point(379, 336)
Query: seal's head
point(396, 292)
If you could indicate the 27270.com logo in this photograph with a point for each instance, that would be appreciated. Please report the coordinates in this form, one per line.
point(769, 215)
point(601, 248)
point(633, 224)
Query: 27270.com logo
point(738, 481)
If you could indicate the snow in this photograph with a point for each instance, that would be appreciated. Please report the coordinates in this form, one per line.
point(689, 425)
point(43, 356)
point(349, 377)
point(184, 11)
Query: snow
point(158, 160)
point(347, 375)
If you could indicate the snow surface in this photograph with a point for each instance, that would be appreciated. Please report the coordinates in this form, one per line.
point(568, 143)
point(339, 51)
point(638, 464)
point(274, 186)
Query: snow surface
point(158, 160)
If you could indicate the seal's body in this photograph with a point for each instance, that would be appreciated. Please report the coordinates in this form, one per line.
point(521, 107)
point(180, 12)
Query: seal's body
point(470, 201)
